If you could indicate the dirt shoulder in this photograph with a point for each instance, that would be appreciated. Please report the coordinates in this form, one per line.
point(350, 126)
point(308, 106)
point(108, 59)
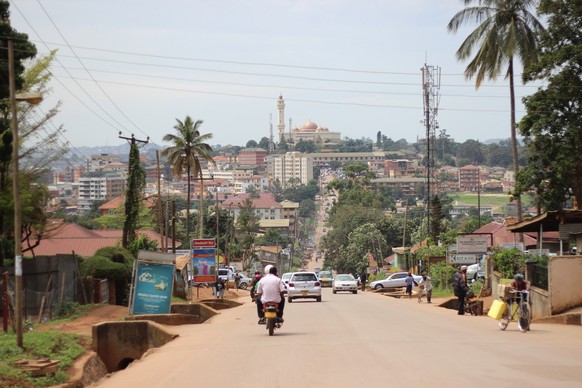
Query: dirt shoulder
point(103, 313)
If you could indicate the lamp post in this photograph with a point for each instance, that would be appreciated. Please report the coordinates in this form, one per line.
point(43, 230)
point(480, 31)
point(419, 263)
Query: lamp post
point(32, 98)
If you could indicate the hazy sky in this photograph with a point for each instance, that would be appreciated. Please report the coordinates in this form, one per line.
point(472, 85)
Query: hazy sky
point(352, 66)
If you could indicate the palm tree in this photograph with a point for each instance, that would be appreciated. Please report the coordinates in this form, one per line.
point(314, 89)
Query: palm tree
point(188, 149)
point(506, 29)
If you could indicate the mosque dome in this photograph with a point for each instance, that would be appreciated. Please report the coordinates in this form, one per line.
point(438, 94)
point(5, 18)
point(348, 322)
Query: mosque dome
point(309, 126)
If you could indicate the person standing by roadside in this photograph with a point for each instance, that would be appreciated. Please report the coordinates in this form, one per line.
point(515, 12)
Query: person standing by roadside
point(219, 286)
point(409, 281)
point(460, 288)
point(363, 278)
point(236, 280)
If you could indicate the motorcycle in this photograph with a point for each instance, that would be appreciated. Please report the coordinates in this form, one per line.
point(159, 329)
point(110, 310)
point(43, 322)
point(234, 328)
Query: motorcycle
point(270, 309)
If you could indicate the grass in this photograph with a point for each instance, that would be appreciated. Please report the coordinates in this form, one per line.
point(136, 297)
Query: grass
point(496, 201)
point(56, 345)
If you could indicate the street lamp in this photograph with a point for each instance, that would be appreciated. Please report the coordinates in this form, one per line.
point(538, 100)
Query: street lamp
point(32, 98)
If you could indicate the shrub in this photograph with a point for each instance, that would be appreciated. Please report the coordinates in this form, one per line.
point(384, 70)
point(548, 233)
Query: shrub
point(442, 274)
point(508, 262)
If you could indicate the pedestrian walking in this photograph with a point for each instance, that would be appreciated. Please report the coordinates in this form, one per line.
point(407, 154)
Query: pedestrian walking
point(423, 288)
point(237, 280)
point(409, 281)
point(428, 288)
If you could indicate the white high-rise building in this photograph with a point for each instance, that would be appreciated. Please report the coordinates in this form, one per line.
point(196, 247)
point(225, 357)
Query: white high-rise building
point(291, 165)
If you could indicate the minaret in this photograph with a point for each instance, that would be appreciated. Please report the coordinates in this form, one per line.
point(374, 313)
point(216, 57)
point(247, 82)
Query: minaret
point(271, 140)
point(281, 109)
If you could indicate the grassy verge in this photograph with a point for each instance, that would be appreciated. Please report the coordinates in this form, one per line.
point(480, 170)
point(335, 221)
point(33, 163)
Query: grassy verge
point(56, 345)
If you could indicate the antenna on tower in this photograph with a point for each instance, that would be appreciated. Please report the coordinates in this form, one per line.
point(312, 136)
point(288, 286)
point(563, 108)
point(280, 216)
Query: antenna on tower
point(431, 78)
point(271, 142)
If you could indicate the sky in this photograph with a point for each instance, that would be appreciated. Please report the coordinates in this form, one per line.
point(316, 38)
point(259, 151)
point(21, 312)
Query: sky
point(352, 66)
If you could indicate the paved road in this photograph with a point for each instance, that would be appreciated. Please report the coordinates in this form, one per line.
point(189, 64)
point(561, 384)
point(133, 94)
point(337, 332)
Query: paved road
point(360, 340)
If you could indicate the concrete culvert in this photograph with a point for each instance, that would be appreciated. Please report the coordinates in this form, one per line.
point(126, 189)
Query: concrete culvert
point(124, 363)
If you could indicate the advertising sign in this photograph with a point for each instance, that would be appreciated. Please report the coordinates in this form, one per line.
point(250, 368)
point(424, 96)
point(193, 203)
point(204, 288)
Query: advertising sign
point(153, 288)
point(472, 244)
point(204, 261)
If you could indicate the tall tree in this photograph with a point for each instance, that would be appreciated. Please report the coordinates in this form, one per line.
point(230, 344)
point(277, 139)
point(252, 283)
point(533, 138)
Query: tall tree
point(506, 29)
point(188, 148)
point(247, 225)
point(133, 196)
point(552, 127)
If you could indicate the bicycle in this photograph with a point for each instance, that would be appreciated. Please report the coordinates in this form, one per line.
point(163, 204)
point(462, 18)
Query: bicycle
point(522, 310)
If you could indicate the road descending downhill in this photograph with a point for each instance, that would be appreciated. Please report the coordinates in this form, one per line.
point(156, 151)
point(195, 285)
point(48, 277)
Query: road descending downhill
point(355, 340)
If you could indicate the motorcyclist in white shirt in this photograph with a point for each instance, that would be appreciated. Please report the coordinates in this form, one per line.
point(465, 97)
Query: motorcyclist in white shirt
point(271, 289)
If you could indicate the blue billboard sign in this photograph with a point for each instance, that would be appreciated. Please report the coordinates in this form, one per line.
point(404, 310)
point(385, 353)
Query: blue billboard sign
point(153, 288)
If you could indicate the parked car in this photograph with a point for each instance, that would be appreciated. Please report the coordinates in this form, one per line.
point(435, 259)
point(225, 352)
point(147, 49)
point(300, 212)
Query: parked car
point(344, 282)
point(394, 280)
point(303, 285)
point(476, 271)
point(325, 278)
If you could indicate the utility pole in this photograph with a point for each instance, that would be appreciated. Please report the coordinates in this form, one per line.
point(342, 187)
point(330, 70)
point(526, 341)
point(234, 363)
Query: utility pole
point(430, 90)
point(160, 216)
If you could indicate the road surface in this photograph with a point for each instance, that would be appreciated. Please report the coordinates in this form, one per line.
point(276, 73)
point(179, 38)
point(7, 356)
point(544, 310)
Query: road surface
point(360, 340)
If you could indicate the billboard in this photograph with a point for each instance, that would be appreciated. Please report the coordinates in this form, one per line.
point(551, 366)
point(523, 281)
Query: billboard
point(153, 284)
point(204, 260)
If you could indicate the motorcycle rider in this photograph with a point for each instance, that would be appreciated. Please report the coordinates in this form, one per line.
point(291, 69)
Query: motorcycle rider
point(271, 289)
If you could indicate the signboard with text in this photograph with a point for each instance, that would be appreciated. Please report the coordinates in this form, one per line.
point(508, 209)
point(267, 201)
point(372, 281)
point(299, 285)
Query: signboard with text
point(153, 288)
point(472, 244)
point(204, 260)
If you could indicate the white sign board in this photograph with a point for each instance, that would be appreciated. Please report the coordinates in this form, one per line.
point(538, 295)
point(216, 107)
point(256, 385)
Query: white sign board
point(461, 258)
point(472, 244)
point(517, 245)
point(539, 252)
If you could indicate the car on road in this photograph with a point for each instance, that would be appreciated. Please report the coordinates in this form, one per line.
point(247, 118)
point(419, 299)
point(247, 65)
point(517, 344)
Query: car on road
point(394, 280)
point(325, 278)
point(344, 282)
point(285, 278)
point(303, 285)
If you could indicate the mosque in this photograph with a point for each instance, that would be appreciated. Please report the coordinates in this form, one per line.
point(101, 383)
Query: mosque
point(310, 131)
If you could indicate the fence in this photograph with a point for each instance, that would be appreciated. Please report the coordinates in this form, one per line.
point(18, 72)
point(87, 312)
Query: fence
point(540, 277)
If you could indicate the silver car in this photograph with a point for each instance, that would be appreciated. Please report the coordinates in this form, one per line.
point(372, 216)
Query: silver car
point(397, 279)
point(344, 282)
point(303, 285)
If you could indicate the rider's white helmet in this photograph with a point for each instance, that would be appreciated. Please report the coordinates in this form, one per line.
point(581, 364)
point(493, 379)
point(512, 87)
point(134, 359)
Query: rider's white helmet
point(268, 268)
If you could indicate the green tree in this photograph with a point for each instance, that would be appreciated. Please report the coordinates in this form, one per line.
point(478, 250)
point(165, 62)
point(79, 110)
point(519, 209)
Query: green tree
point(189, 147)
point(265, 143)
point(353, 258)
point(133, 196)
point(552, 127)
point(471, 150)
point(247, 225)
point(506, 29)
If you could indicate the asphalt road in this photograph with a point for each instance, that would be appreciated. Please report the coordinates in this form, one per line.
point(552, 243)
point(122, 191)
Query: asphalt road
point(360, 340)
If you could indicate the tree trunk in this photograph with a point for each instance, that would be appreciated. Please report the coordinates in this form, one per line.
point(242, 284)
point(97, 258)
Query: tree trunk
point(188, 208)
point(514, 134)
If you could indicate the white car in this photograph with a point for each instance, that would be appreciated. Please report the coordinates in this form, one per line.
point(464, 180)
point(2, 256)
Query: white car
point(344, 282)
point(303, 285)
point(397, 279)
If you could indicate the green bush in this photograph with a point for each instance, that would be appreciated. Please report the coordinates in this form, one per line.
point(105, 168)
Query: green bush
point(509, 261)
point(442, 275)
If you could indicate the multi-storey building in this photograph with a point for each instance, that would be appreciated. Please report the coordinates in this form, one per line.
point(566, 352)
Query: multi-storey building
point(96, 161)
point(252, 157)
point(293, 166)
point(469, 178)
point(399, 168)
point(99, 189)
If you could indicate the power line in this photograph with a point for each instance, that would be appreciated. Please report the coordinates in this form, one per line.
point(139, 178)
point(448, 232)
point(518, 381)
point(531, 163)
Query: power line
point(88, 72)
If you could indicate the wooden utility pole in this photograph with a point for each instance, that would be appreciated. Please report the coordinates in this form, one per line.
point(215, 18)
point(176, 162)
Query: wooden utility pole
point(160, 216)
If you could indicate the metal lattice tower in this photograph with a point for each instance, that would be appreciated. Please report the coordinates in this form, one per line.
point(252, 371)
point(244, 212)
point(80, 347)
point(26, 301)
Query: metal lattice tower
point(431, 78)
